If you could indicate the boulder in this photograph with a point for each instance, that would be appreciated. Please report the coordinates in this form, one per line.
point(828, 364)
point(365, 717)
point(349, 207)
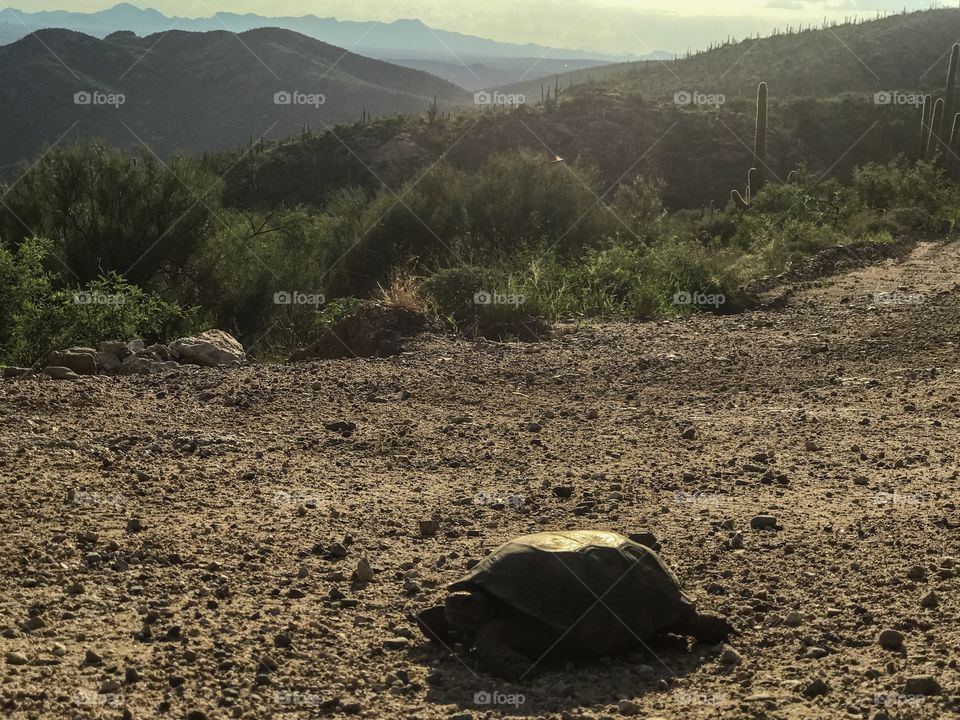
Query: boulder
point(145, 365)
point(372, 330)
point(82, 361)
point(213, 348)
point(58, 372)
point(15, 372)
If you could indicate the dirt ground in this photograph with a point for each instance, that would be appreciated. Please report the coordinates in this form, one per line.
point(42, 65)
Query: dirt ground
point(259, 490)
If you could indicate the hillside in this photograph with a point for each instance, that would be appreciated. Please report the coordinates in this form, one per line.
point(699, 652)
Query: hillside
point(193, 91)
point(901, 52)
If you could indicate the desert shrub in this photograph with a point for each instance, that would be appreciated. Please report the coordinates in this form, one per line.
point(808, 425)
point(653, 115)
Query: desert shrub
point(639, 204)
point(919, 193)
point(36, 317)
point(480, 301)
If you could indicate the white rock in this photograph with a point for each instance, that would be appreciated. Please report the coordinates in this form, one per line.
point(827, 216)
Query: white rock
point(213, 348)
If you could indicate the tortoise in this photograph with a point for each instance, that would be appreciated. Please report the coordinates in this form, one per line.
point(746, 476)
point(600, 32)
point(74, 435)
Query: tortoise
point(565, 595)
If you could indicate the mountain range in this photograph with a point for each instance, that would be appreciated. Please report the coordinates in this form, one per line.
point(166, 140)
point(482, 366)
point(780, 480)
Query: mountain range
point(473, 61)
point(192, 91)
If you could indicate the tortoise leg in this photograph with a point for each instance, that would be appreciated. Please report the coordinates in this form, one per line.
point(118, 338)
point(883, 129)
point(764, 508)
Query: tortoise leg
point(706, 629)
point(494, 645)
point(433, 623)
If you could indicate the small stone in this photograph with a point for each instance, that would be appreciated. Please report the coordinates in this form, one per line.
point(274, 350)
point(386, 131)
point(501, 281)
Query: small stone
point(816, 653)
point(337, 550)
point(75, 588)
point(860, 480)
point(134, 525)
point(736, 542)
point(15, 658)
point(729, 656)
point(59, 649)
point(534, 427)
point(891, 639)
point(429, 528)
point(793, 619)
point(563, 491)
point(930, 600)
point(91, 658)
point(33, 623)
point(816, 688)
point(628, 707)
point(131, 675)
point(760, 522)
point(58, 372)
point(811, 446)
point(921, 685)
point(916, 572)
point(196, 715)
point(176, 680)
point(282, 640)
point(689, 434)
point(396, 643)
point(108, 687)
point(363, 573)
point(593, 414)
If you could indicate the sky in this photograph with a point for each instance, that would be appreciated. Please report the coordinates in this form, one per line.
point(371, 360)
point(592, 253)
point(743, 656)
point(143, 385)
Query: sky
point(633, 26)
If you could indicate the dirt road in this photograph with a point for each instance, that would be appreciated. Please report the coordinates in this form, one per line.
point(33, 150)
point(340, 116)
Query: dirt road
point(183, 545)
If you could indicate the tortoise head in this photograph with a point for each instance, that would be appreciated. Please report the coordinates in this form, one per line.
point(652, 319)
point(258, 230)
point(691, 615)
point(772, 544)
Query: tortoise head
point(469, 610)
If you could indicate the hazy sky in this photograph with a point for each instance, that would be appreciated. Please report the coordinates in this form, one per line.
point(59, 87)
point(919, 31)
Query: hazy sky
point(613, 25)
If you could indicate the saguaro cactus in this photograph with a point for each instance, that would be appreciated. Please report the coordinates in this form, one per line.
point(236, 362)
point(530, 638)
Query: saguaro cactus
point(925, 127)
point(760, 138)
point(933, 145)
point(950, 93)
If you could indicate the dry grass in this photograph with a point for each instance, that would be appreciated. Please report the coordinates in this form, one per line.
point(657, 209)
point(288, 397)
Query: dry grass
point(402, 291)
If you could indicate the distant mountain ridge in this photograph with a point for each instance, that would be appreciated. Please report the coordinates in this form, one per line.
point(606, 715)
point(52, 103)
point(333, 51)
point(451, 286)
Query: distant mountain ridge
point(194, 91)
point(409, 38)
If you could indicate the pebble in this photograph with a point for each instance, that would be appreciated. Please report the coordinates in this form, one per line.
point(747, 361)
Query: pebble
point(921, 685)
point(134, 525)
point(131, 675)
point(429, 528)
point(891, 639)
point(729, 656)
point(628, 707)
point(916, 572)
point(109, 687)
point(59, 649)
point(396, 643)
point(793, 619)
point(282, 640)
point(860, 480)
point(91, 658)
point(930, 600)
point(811, 446)
point(75, 588)
point(338, 550)
point(760, 522)
point(363, 573)
point(689, 434)
point(736, 542)
point(15, 658)
point(816, 688)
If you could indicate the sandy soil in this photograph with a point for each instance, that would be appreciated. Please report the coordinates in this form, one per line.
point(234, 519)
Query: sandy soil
point(232, 597)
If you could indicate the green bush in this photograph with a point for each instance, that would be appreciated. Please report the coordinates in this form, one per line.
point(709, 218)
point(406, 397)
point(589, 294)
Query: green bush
point(36, 318)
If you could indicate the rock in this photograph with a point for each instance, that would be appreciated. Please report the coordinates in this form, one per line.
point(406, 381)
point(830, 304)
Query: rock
point(793, 619)
point(816, 688)
point(15, 658)
point(82, 361)
point(689, 434)
point(59, 649)
point(729, 656)
point(760, 522)
point(58, 372)
point(428, 528)
point(91, 658)
point(196, 715)
point(141, 365)
point(736, 542)
point(371, 330)
point(396, 643)
point(921, 685)
point(15, 372)
point(282, 640)
point(32, 623)
point(131, 675)
point(213, 348)
point(337, 550)
point(135, 346)
point(930, 600)
point(816, 653)
point(563, 491)
point(811, 446)
point(628, 707)
point(534, 427)
point(860, 480)
point(75, 588)
point(916, 572)
point(134, 525)
point(117, 348)
point(108, 687)
point(363, 573)
point(891, 639)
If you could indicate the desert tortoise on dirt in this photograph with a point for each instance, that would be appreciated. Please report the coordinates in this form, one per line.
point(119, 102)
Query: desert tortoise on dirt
point(580, 593)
